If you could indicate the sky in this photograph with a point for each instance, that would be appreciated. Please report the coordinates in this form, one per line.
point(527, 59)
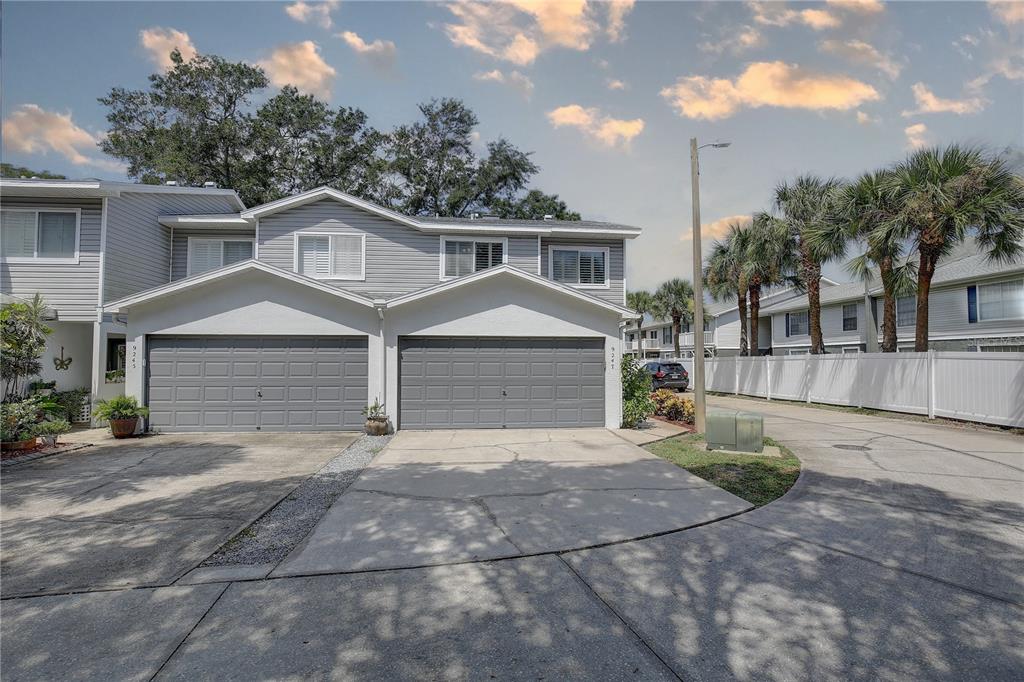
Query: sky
point(605, 94)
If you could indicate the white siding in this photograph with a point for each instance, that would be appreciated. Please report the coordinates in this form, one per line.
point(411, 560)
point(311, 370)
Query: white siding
point(70, 288)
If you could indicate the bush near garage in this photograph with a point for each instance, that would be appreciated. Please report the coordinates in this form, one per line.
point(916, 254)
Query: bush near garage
point(637, 405)
point(672, 406)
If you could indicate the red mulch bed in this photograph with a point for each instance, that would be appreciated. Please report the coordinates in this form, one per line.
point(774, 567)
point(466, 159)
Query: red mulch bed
point(682, 425)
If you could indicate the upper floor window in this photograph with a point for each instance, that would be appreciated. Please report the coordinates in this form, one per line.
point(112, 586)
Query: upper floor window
point(797, 324)
point(1001, 301)
point(850, 317)
point(461, 257)
point(209, 254)
point(40, 235)
point(666, 336)
point(906, 311)
point(582, 266)
point(331, 256)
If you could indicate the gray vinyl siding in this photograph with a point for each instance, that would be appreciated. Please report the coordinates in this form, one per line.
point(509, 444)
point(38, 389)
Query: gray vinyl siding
point(947, 313)
point(727, 330)
point(70, 288)
point(616, 292)
point(138, 247)
point(399, 259)
point(179, 254)
point(831, 327)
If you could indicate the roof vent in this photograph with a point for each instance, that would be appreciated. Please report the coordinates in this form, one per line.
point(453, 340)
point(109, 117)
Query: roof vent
point(474, 216)
point(210, 184)
point(171, 183)
point(548, 216)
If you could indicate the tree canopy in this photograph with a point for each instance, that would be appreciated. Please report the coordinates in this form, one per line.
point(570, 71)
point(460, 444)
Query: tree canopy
point(200, 122)
point(11, 171)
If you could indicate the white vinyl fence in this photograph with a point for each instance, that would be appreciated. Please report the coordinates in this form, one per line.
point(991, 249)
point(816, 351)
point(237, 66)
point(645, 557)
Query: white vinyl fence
point(980, 387)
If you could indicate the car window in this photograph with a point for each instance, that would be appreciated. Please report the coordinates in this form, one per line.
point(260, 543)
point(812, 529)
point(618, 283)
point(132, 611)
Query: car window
point(672, 367)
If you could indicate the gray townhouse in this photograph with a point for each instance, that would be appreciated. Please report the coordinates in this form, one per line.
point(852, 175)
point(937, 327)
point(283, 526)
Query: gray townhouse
point(296, 314)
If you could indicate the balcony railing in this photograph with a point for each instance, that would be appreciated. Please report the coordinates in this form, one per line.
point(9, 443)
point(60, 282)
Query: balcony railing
point(685, 341)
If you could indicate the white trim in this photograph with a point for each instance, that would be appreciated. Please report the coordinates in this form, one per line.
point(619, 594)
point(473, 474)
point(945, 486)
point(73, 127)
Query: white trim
point(227, 272)
point(72, 260)
point(451, 284)
point(211, 220)
point(107, 188)
point(582, 247)
point(979, 285)
point(188, 249)
point(331, 235)
point(539, 269)
point(455, 238)
point(101, 273)
point(256, 242)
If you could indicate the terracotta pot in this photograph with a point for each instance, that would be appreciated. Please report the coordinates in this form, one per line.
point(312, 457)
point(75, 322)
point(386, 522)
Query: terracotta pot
point(123, 428)
point(27, 444)
point(376, 427)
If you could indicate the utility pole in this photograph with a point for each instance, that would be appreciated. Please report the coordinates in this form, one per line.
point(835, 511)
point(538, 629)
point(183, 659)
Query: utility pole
point(698, 294)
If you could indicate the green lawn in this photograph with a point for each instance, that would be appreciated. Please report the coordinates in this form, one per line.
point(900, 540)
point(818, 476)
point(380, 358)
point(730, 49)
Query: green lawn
point(755, 478)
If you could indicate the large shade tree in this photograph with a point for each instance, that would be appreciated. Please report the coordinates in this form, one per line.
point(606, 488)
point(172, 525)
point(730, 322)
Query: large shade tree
point(806, 206)
point(674, 300)
point(725, 276)
point(945, 196)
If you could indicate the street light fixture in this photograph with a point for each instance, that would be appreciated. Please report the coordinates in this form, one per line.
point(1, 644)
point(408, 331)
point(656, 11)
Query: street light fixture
point(698, 286)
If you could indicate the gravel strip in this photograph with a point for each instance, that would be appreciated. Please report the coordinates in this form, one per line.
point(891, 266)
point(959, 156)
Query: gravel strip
point(272, 536)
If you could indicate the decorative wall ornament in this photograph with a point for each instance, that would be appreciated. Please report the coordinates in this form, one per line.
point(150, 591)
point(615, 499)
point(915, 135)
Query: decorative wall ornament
point(62, 363)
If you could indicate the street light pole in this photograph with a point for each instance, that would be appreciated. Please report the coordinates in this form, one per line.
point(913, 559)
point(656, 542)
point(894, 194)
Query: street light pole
point(698, 294)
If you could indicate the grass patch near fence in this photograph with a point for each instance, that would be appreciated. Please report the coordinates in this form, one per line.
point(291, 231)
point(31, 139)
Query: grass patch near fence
point(755, 478)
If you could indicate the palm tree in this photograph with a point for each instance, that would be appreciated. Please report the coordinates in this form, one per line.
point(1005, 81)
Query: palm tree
point(806, 205)
point(945, 196)
point(767, 262)
point(865, 212)
point(674, 299)
point(640, 302)
point(724, 275)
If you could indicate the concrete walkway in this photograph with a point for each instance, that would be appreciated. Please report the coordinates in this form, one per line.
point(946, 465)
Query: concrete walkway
point(438, 497)
point(900, 561)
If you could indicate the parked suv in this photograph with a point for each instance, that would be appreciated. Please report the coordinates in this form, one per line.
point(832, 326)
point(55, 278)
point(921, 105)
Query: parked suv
point(668, 375)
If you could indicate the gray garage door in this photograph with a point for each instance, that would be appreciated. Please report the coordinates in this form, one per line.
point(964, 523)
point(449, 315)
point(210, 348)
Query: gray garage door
point(268, 383)
point(500, 382)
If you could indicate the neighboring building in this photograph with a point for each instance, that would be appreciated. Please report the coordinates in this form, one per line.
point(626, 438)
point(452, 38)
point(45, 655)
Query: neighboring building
point(296, 314)
point(974, 305)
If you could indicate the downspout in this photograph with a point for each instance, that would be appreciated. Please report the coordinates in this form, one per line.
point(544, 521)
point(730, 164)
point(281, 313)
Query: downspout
point(384, 357)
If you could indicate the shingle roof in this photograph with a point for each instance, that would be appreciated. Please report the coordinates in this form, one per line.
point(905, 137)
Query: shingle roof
point(582, 225)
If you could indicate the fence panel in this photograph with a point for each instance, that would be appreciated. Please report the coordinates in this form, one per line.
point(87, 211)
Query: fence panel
point(982, 387)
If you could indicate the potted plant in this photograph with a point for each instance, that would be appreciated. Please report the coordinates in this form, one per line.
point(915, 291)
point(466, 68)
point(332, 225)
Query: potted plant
point(18, 420)
point(48, 431)
point(123, 413)
point(376, 419)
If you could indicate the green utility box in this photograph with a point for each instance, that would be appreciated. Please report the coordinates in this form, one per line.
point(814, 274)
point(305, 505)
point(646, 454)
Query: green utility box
point(734, 430)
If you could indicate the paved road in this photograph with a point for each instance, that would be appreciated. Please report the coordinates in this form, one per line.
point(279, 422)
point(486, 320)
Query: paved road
point(897, 556)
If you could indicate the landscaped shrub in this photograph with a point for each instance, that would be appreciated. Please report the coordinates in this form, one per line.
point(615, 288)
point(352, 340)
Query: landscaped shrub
point(660, 397)
point(672, 406)
point(636, 394)
point(19, 418)
point(70, 403)
point(120, 407)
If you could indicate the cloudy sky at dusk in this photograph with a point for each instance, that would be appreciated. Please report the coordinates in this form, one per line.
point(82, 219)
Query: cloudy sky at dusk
point(606, 94)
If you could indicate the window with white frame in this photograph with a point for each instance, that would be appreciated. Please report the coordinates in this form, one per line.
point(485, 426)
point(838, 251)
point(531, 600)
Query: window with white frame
point(582, 266)
point(906, 311)
point(850, 317)
point(798, 323)
point(461, 257)
point(209, 254)
point(1001, 301)
point(666, 336)
point(330, 256)
point(39, 234)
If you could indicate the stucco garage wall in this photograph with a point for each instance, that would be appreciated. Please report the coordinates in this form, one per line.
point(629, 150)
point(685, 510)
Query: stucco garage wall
point(505, 306)
point(251, 303)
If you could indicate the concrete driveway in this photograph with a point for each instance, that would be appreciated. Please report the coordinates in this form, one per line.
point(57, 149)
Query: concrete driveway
point(143, 511)
point(438, 497)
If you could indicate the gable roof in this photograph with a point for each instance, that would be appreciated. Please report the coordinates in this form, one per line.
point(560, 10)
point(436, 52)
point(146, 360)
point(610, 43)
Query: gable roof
point(447, 225)
point(226, 273)
point(85, 189)
point(500, 271)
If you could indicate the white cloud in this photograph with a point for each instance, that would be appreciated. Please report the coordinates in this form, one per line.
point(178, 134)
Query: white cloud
point(301, 65)
point(864, 118)
point(774, 84)
point(735, 41)
point(929, 103)
point(518, 31)
point(859, 6)
point(1011, 12)
point(917, 135)
point(160, 42)
point(859, 52)
point(608, 131)
point(30, 129)
point(380, 53)
point(312, 12)
point(514, 79)
point(778, 14)
point(616, 84)
point(717, 229)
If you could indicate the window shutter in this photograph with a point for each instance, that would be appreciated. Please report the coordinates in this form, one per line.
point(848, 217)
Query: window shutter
point(19, 234)
point(204, 256)
point(787, 324)
point(348, 256)
point(315, 255)
point(972, 304)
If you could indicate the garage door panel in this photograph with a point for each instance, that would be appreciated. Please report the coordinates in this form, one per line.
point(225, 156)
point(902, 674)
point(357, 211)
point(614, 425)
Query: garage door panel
point(487, 382)
point(215, 383)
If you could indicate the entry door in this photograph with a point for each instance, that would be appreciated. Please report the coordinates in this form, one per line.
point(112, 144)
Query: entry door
point(268, 383)
point(500, 382)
